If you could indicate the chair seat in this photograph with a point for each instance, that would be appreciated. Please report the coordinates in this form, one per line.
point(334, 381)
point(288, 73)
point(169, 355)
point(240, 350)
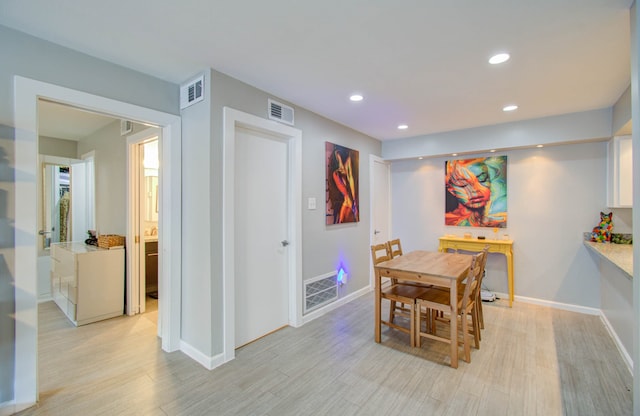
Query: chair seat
point(439, 296)
point(403, 293)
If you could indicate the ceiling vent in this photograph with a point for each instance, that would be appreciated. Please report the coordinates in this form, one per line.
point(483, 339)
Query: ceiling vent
point(280, 112)
point(192, 92)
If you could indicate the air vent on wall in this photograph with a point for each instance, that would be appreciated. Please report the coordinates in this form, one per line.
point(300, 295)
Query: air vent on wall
point(126, 127)
point(280, 112)
point(192, 92)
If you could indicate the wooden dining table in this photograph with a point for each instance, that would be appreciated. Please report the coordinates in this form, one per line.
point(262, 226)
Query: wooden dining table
point(445, 270)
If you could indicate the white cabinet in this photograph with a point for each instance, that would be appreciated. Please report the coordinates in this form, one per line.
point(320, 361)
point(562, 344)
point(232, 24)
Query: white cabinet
point(87, 282)
point(620, 172)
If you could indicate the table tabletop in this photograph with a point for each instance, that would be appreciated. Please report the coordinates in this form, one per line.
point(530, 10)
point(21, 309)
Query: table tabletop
point(430, 264)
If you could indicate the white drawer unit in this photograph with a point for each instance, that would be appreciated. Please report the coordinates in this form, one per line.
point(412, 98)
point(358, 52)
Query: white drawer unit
point(87, 283)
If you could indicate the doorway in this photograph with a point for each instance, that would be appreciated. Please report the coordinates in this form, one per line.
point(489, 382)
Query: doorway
point(261, 234)
point(380, 172)
point(27, 93)
point(65, 208)
point(236, 123)
point(143, 227)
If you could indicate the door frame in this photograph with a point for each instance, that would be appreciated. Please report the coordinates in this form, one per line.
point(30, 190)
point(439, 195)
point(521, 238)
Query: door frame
point(136, 258)
point(373, 159)
point(293, 136)
point(27, 92)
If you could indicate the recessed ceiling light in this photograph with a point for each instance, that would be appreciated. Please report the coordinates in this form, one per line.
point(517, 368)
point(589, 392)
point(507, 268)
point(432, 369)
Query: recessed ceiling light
point(492, 150)
point(356, 97)
point(454, 154)
point(540, 145)
point(510, 108)
point(499, 58)
point(402, 127)
point(420, 158)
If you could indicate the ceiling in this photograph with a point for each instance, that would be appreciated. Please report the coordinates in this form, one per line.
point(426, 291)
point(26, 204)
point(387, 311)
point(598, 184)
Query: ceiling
point(417, 62)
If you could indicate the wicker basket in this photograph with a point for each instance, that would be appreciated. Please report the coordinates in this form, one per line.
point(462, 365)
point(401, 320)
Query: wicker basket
point(110, 240)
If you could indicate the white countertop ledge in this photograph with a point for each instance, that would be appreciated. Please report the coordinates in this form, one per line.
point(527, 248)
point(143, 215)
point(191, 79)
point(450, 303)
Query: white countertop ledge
point(621, 255)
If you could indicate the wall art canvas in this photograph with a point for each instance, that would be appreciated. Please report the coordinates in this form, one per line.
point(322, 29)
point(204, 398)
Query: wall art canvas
point(476, 192)
point(342, 200)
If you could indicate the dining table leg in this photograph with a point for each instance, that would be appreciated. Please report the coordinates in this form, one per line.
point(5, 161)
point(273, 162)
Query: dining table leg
point(378, 285)
point(454, 323)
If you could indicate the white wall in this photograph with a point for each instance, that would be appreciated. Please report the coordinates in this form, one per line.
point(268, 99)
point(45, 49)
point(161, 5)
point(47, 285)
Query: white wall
point(554, 195)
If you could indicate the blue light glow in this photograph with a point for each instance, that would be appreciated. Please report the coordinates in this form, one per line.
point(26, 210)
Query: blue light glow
point(341, 275)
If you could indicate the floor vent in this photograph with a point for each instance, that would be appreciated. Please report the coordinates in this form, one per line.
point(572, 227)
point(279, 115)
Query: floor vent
point(192, 92)
point(320, 290)
point(280, 112)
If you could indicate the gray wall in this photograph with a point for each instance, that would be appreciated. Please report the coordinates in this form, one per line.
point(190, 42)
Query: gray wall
point(30, 57)
point(110, 176)
point(554, 196)
point(323, 246)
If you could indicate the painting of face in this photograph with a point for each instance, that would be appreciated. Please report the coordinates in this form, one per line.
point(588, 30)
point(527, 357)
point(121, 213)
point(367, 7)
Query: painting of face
point(476, 192)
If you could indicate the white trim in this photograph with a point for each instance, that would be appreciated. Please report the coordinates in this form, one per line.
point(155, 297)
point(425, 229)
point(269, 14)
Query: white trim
point(623, 351)
point(204, 360)
point(579, 309)
point(26, 95)
point(334, 305)
point(232, 118)
point(551, 304)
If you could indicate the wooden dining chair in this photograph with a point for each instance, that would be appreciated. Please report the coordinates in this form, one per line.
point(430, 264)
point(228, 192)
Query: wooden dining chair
point(479, 296)
point(478, 303)
point(397, 293)
point(395, 247)
point(398, 308)
point(437, 300)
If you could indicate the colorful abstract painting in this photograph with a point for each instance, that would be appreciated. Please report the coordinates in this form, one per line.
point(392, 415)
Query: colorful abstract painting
point(476, 192)
point(342, 184)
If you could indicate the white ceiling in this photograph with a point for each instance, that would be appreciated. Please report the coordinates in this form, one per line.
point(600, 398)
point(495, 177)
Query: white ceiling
point(419, 62)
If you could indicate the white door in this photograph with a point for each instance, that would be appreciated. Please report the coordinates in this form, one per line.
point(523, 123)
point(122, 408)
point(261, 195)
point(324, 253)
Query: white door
point(261, 234)
point(381, 197)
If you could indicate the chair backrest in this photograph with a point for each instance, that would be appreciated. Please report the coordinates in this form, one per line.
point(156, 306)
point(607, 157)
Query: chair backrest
point(484, 263)
point(395, 247)
point(380, 253)
point(474, 278)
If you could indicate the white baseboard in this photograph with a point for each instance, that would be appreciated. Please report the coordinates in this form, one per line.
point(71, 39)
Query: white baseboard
point(328, 308)
point(551, 304)
point(208, 362)
point(625, 355)
point(580, 309)
point(211, 362)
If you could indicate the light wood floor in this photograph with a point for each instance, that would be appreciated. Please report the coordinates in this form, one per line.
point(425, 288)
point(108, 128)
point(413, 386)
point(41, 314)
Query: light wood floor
point(533, 361)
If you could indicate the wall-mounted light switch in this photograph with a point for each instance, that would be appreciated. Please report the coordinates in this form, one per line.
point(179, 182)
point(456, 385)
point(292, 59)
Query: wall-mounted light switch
point(311, 204)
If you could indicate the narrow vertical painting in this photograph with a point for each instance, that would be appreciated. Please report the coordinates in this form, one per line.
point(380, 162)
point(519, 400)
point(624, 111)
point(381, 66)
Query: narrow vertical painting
point(476, 192)
point(342, 184)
